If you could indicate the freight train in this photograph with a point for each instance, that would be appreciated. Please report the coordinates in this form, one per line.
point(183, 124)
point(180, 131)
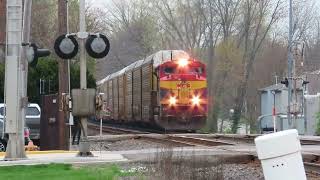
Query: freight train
point(167, 89)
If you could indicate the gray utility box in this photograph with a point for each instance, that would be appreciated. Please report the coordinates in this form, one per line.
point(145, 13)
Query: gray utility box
point(312, 108)
point(83, 102)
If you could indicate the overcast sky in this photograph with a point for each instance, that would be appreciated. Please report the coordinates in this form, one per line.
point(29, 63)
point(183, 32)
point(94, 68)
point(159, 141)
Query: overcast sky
point(99, 3)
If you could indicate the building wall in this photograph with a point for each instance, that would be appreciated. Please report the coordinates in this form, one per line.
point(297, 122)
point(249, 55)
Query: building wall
point(314, 84)
point(281, 104)
point(312, 108)
point(266, 108)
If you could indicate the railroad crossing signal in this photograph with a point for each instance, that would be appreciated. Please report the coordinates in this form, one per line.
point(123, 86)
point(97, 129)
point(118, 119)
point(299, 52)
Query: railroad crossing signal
point(34, 53)
point(66, 47)
point(285, 82)
point(97, 45)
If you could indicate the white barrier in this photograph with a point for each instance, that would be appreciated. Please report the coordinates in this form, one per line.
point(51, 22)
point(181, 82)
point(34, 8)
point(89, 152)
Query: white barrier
point(280, 155)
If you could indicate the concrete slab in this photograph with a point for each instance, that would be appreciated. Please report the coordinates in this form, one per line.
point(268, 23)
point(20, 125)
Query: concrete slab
point(65, 157)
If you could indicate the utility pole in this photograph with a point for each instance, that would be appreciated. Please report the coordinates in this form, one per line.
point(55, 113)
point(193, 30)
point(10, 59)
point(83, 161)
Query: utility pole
point(24, 63)
point(2, 29)
point(63, 77)
point(71, 121)
point(290, 63)
point(13, 76)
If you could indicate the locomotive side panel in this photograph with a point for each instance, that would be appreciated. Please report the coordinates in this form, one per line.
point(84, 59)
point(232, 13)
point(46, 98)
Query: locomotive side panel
point(128, 96)
point(115, 99)
point(136, 89)
point(146, 91)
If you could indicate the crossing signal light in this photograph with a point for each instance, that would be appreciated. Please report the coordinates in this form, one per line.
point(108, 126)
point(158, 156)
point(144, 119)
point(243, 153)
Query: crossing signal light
point(66, 47)
point(34, 53)
point(285, 82)
point(97, 46)
point(305, 82)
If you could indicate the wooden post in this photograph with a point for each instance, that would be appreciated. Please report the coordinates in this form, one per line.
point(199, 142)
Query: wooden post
point(63, 78)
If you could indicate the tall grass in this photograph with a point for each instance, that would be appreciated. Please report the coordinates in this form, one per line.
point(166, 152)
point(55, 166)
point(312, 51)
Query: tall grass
point(173, 165)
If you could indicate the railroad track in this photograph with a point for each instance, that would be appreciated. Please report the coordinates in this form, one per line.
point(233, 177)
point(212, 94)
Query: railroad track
point(197, 141)
point(174, 140)
point(312, 167)
point(115, 130)
point(250, 138)
point(182, 141)
point(312, 163)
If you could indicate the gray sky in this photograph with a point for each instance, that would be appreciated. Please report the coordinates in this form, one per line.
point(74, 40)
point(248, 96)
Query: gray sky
point(99, 3)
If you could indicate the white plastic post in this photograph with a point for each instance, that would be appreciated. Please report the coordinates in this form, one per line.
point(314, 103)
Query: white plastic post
point(274, 123)
point(280, 155)
point(100, 134)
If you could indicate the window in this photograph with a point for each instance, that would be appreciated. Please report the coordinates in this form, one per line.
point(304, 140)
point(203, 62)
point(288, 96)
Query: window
point(169, 70)
point(32, 111)
point(197, 70)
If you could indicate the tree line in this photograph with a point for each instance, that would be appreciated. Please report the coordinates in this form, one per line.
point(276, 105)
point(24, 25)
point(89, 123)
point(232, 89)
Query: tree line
point(243, 42)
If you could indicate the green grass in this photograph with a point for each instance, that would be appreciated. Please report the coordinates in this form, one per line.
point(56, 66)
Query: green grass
point(61, 172)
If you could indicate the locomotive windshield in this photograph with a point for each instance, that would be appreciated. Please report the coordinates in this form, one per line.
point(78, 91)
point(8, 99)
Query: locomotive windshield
point(195, 70)
point(184, 70)
point(169, 70)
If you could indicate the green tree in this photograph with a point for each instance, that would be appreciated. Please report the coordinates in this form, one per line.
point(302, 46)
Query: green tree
point(47, 69)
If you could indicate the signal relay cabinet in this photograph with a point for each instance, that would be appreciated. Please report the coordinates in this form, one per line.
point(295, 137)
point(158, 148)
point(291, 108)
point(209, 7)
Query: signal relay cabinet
point(83, 102)
point(49, 126)
point(280, 155)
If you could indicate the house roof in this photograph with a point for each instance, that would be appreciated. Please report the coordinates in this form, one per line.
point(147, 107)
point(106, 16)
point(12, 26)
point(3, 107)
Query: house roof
point(274, 87)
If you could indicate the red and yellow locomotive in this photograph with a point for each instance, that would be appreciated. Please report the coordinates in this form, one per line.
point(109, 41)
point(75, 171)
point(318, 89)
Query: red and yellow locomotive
point(167, 89)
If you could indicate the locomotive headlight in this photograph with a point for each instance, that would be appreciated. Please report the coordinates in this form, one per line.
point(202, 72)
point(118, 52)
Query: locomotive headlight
point(172, 101)
point(182, 62)
point(195, 100)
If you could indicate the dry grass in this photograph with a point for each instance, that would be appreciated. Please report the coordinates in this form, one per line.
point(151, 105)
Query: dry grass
point(172, 165)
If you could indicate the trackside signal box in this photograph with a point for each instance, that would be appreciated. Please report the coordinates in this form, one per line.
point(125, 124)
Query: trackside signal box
point(49, 125)
point(280, 155)
point(83, 102)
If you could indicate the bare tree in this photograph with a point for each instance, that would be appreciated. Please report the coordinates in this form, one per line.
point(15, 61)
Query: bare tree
point(133, 32)
point(224, 13)
point(255, 30)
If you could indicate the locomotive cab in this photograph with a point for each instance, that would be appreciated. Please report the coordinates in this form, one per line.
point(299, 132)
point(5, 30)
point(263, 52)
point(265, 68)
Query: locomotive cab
point(183, 94)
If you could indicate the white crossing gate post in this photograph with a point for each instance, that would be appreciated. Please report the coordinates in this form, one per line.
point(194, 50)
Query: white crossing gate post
point(280, 155)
